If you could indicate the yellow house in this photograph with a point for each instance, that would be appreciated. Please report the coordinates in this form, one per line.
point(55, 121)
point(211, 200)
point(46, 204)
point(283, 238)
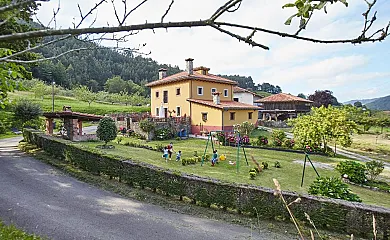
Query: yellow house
point(206, 98)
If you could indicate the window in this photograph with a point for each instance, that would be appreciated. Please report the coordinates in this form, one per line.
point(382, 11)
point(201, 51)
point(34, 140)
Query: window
point(200, 91)
point(250, 115)
point(204, 117)
point(178, 112)
point(225, 93)
point(165, 100)
point(235, 99)
point(157, 112)
point(232, 116)
point(213, 90)
point(157, 94)
point(177, 91)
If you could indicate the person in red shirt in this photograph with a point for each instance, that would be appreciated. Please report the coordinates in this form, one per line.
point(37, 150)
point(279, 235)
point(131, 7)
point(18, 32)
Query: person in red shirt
point(170, 150)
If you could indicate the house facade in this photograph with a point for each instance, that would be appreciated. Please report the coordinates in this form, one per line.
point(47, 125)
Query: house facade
point(283, 106)
point(245, 96)
point(206, 98)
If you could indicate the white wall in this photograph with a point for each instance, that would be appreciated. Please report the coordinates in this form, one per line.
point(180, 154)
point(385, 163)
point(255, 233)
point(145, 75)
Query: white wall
point(244, 97)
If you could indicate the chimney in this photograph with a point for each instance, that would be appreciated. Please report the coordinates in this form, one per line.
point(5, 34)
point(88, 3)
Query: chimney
point(216, 98)
point(190, 66)
point(162, 73)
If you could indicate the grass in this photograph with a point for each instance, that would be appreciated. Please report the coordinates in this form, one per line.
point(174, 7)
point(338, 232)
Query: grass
point(77, 106)
point(372, 146)
point(12, 233)
point(8, 135)
point(289, 175)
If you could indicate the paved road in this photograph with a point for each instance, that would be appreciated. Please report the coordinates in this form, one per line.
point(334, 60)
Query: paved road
point(41, 199)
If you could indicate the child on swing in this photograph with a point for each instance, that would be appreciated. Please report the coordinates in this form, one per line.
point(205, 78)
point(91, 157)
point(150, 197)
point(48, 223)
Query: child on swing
point(215, 158)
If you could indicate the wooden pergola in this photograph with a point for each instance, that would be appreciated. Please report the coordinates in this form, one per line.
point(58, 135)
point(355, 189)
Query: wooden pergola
point(73, 122)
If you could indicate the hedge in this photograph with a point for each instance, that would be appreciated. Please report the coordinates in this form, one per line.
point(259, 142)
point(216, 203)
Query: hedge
point(331, 214)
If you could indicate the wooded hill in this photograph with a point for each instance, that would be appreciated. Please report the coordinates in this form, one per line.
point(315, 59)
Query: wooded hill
point(382, 103)
point(93, 67)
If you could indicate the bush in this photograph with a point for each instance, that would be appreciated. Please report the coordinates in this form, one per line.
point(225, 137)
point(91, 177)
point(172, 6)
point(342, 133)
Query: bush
point(289, 143)
point(264, 165)
point(278, 137)
point(277, 164)
point(333, 188)
point(354, 171)
point(25, 110)
point(252, 173)
point(374, 168)
point(163, 134)
point(147, 126)
point(262, 140)
point(106, 130)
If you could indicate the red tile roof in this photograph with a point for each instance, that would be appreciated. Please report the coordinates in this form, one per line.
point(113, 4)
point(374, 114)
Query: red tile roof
point(225, 104)
point(74, 115)
point(195, 76)
point(282, 97)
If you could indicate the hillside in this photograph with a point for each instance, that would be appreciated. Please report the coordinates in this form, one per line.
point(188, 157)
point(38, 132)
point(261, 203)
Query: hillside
point(382, 103)
point(363, 101)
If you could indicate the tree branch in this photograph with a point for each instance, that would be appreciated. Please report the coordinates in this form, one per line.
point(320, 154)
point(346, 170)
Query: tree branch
point(132, 10)
point(166, 12)
point(224, 8)
point(240, 38)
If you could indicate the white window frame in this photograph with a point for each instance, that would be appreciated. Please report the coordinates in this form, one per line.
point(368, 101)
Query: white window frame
point(157, 112)
point(212, 90)
point(227, 92)
point(178, 115)
point(197, 90)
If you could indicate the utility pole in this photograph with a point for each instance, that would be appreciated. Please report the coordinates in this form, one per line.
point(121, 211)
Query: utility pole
point(52, 91)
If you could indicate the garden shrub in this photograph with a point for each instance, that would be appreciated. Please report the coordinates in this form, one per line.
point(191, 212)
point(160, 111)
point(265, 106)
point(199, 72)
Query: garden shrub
point(289, 143)
point(277, 164)
point(262, 141)
point(374, 168)
point(264, 165)
point(352, 170)
point(252, 173)
point(163, 134)
point(25, 111)
point(106, 130)
point(147, 126)
point(278, 137)
point(334, 188)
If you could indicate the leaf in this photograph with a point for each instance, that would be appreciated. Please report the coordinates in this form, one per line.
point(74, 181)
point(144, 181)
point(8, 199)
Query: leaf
point(344, 2)
point(288, 21)
point(289, 5)
point(320, 6)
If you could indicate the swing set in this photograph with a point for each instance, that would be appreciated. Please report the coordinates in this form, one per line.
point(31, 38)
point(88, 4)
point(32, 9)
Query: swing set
point(238, 143)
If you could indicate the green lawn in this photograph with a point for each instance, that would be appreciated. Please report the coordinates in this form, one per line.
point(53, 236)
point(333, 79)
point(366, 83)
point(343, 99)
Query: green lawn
point(77, 106)
point(8, 135)
point(289, 175)
point(371, 145)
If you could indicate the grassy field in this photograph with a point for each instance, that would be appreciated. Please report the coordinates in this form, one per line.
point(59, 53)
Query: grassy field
point(77, 106)
point(289, 175)
point(370, 145)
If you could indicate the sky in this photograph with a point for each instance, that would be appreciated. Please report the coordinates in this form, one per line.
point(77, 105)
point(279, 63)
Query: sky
point(349, 71)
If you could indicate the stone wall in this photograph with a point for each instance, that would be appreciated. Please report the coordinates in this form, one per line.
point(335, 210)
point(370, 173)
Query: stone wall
point(273, 124)
point(331, 214)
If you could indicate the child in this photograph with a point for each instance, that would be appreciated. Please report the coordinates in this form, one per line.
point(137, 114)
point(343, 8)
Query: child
point(165, 155)
point(215, 158)
point(178, 156)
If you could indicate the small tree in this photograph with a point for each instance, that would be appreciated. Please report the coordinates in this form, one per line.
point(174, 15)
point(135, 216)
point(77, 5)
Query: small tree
point(25, 110)
point(244, 128)
point(106, 130)
point(40, 89)
point(374, 168)
point(84, 94)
